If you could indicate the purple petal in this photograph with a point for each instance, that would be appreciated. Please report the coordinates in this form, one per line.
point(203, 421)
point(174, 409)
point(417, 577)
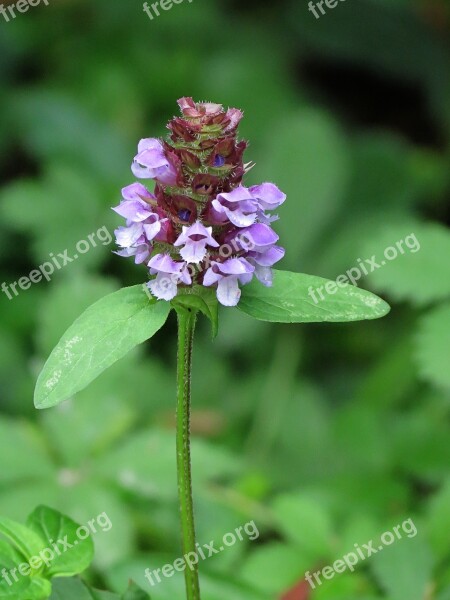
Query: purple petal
point(150, 144)
point(133, 210)
point(268, 195)
point(152, 230)
point(264, 275)
point(240, 194)
point(194, 252)
point(137, 191)
point(185, 275)
point(235, 266)
point(164, 287)
point(257, 237)
point(228, 292)
point(267, 258)
point(153, 159)
point(245, 278)
point(211, 276)
point(240, 218)
point(163, 263)
point(128, 236)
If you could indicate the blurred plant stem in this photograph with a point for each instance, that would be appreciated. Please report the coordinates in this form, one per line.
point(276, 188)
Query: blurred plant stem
point(186, 327)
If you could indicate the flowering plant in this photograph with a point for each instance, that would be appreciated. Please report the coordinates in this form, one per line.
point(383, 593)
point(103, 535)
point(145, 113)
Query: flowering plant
point(201, 226)
point(206, 240)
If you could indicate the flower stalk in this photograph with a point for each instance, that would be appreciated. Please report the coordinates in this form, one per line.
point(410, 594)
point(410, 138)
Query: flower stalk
point(186, 327)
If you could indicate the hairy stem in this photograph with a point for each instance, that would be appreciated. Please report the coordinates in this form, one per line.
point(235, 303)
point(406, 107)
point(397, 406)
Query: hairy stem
point(186, 326)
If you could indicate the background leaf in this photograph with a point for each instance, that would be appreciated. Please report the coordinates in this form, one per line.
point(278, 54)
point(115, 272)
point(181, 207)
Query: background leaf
point(52, 526)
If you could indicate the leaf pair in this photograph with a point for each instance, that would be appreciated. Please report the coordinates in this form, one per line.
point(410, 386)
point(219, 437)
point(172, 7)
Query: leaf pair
point(114, 325)
point(49, 546)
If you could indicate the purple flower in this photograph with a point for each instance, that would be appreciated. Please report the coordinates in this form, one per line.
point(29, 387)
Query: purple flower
point(133, 242)
point(143, 225)
point(141, 253)
point(269, 197)
point(262, 262)
point(137, 191)
point(194, 240)
point(228, 275)
point(238, 206)
point(169, 273)
point(126, 237)
point(259, 241)
point(151, 162)
point(134, 208)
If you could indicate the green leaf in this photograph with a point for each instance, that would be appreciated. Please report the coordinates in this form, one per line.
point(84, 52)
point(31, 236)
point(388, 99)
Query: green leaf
point(26, 541)
point(306, 524)
point(315, 182)
point(76, 589)
point(134, 592)
point(438, 521)
point(274, 567)
point(30, 205)
point(23, 454)
point(54, 527)
point(129, 466)
point(202, 299)
point(56, 314)
point(432, 344)
point(214, 586)
point(404, 570)
point(104, 333)
point(290, 300)
point(413, 259)
point(25, 589)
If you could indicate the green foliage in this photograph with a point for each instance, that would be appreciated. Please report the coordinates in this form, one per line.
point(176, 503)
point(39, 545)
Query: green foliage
point(289, 301)
point(50, 525)
point(203, 300)
point(31, 560)
point(104, 333)
point(432, 344)
point(405, 569)
point(420, 272)
point(75, 589)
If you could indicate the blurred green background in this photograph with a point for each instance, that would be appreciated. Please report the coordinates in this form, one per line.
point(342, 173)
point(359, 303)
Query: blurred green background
point(324, 435)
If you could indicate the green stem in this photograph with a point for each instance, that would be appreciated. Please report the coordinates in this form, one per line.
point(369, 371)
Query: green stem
point(186, 326)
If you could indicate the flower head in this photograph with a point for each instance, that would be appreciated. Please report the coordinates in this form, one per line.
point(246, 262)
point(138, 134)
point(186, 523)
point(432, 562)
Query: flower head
point(201, 226)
